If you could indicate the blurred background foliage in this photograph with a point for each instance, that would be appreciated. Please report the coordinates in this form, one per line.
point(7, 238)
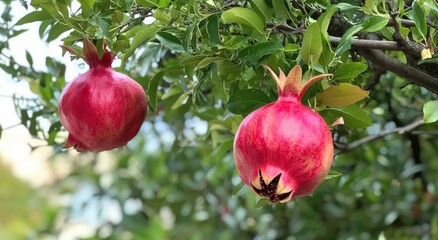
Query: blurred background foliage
point(201, 64)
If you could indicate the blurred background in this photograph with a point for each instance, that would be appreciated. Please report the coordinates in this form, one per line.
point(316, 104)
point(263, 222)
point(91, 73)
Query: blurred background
point(177, 180)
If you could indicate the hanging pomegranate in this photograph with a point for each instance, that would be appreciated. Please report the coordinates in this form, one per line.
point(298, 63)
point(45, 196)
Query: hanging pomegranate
point(101, 109)
point(284, 149)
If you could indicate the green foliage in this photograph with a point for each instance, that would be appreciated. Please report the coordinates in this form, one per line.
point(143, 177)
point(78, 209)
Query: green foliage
point(201, 64)
point(430, 110)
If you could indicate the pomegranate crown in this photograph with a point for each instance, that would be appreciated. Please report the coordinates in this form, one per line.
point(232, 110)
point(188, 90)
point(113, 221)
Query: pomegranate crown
point(91, 55)
point(290, 85)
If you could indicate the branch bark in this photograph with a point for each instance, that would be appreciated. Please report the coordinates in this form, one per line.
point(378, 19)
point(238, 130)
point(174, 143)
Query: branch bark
point(412, 74)
point(400, 130)
point(367, 44)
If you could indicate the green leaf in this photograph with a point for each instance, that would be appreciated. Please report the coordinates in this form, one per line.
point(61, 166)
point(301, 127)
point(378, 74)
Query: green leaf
point(324, 20)
point(247, 100)
point(57, 29)
point(283, 9)
point(189, 39)
point(240, 189)
point(182, 100)
point(261, 202)
point(192, 60)
point(163, 16)
point(89, 3)
point(346, 6)
point(348, 71)
point(33, 17)
point(433, 59)
point(148, 3)
point(291, 47)
point(206, 61)
point(333, 174)
point(430, 110)
point(170, 41)
point(24, 4)
point(152, 90)
point(29, 58)
point(374, 23)
point(255, 52)
point(354, 116)
point(139, 38)
point(311, 48)
point(213, 29)
point(1, 131)
point(262, 8)
point(327, 54)
point(345, 42)
point(163, 3)
point(419, 18)
point(341, 95)
point(244, 16)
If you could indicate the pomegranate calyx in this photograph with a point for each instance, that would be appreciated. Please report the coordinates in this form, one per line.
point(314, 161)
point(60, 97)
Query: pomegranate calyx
point(90, 54)
point(273, 191)
point(287, 86)
point(291, 85)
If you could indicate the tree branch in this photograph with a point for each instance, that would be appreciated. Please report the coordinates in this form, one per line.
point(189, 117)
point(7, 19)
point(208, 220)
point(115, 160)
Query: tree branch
point(400, 130)
point(406, 71)
point(367, 44)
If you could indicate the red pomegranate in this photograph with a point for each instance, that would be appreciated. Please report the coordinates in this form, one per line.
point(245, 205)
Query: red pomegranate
point(284, 149)
point(101, 109)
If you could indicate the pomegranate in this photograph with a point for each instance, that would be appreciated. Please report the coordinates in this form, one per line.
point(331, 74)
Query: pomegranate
point(284, 149)
point(101, 109)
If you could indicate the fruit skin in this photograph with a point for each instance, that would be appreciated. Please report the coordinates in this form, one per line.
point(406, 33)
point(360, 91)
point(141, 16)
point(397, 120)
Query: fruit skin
point(101, 109)
point(284, 149)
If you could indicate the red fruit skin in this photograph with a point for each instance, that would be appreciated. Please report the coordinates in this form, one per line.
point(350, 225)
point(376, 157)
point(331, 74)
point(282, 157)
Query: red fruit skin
point(284, 149)
point(101, 109)
point(288, 138)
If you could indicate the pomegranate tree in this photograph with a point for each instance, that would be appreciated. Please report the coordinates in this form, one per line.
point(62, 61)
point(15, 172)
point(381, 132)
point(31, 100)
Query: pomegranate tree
point(101, 109)
point(284, 149)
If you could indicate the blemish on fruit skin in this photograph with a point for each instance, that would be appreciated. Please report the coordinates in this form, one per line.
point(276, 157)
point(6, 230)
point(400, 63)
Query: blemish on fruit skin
point(284, 149)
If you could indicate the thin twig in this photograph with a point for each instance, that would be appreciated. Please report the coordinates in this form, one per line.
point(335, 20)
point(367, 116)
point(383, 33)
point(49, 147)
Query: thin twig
point(400, 130)
point(12, 126)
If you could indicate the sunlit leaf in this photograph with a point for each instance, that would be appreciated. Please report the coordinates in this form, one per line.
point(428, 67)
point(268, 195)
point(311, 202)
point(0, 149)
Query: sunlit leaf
point(341, 95)
point(354, 116)
point(333, 174)
point(245, 17)
point(430, 110)
point(324, 20)
point(311, 48)
point(140, 37)
point(374, 23)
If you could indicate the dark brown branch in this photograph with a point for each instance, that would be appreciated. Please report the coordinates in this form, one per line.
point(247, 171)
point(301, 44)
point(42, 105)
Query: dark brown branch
point(367, 44)
point(400, 130)
point(406, 71)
